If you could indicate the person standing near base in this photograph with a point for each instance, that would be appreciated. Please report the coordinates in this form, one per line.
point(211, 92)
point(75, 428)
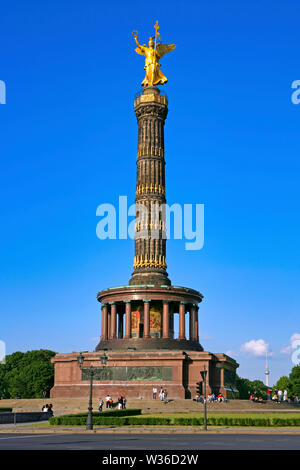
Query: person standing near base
point(107, 399)
point(101, 403)
point(154, 393)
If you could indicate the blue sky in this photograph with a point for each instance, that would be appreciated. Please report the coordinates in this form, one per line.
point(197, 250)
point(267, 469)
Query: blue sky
point(68, 143)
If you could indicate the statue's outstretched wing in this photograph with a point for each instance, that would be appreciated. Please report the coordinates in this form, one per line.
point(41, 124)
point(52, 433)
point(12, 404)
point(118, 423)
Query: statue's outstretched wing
point(140, 50)
point(163, 49)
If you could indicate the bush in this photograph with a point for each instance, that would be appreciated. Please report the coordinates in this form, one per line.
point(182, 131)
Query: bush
point(192, 421)
point(2, 410)
point(98, 416)
point(103, 419)
point(285, 421)
point(133, 421)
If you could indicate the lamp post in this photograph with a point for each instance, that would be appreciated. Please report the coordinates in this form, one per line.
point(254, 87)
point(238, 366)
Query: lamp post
point(91, 371)
point(204, 375)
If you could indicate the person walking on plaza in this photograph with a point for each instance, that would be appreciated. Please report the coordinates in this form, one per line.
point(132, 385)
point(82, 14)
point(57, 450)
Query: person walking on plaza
point(285, 395)
point(154, 393)
point(107, 399)
point(101, 403)
point(120, 403)
point(279, 395)
point(124, 403)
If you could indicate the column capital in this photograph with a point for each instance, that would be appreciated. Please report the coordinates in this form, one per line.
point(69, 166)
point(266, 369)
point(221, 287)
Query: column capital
point(127, 301)
point(183, 303)
point(112, 303)
point(166, 302)
point(146, 301)
point(104, 306)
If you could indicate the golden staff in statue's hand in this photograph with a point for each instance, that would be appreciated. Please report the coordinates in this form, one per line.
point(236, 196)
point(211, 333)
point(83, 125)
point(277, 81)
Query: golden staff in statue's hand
point(153, 53)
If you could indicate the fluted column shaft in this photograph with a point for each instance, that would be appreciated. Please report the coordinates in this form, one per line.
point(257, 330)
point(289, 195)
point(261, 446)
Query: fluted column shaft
point(113, 319)
point(165, 319)
point(181, 320)
point(104, 331)
point(150, 266)
point(192, 323)
point(127, 320)
point(146, 318)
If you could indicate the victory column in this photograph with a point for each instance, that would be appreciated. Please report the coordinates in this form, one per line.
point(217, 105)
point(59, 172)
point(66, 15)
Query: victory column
point(137, 320)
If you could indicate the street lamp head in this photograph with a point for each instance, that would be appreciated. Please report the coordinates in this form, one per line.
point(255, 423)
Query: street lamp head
point(80, 359)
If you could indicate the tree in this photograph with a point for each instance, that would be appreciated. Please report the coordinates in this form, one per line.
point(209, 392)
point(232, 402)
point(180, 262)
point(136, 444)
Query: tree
point(260, 389)
point(244, 387)
point(247, 387)
point(27, 375)
point(294, 377)
point(283, 383)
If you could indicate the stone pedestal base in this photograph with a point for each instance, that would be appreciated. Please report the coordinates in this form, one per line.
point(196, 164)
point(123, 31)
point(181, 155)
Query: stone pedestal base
point(135, 373)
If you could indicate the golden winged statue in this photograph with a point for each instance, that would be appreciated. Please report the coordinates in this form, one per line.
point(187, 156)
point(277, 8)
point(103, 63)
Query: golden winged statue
point(153, 53)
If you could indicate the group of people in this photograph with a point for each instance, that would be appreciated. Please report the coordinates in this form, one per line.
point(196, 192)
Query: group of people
point(48, 408)
point(278, 395)
point(210, 398)
point(121, 403)
point(163, 394)
point(275, 395)
point(256, 399)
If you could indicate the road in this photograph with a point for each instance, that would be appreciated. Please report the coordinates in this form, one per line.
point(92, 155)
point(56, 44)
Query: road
point(145, 441)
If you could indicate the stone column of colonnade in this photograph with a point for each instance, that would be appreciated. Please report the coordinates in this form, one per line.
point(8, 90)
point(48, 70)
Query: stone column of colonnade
point(109, 321)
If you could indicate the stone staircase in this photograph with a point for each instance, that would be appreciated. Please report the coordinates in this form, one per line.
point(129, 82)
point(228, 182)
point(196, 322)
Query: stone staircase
point(79, 405)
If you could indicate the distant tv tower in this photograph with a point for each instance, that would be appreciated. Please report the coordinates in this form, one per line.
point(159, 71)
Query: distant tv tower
point(267, 370)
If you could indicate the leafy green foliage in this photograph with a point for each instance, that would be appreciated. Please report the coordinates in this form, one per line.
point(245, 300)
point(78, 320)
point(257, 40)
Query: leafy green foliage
point(98, 417)
point(291, 383)
point(247, 387)
point(294, 378)
point(148, 420)
point(27, 375)
point(283, 383)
